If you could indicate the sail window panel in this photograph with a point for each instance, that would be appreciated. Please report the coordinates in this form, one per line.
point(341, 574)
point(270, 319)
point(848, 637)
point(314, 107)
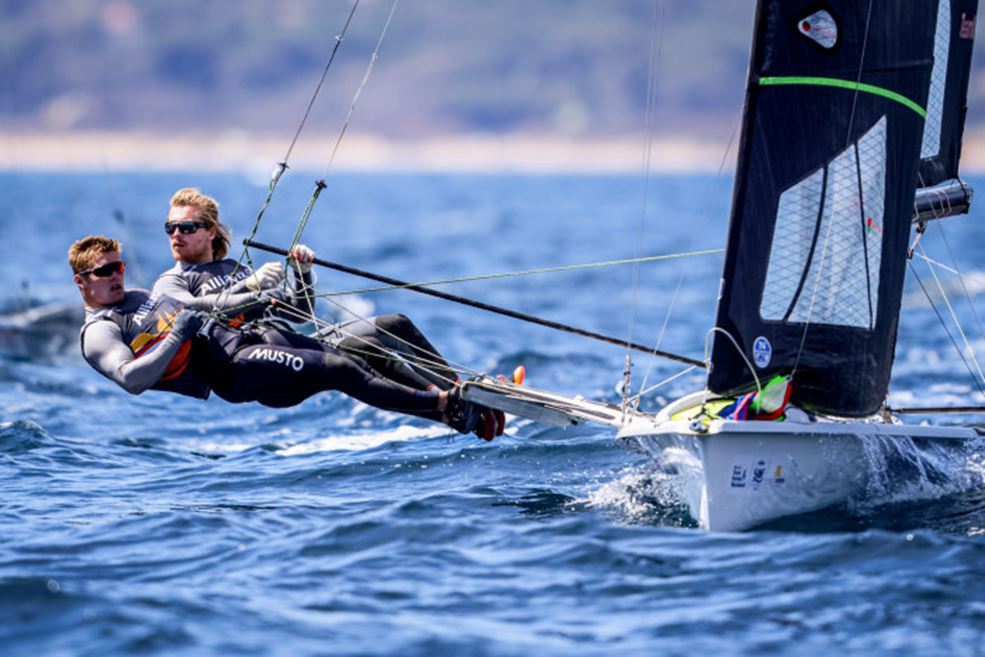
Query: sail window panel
point(793, 236)
point(931, 146)
point(842, 253)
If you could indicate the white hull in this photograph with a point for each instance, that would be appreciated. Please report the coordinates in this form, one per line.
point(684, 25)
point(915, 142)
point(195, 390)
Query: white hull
point(736, 475)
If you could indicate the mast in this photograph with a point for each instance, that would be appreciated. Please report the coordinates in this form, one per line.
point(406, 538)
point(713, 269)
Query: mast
point(823, 198)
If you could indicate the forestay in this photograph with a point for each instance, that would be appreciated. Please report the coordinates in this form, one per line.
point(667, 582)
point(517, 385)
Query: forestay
point(823, 199)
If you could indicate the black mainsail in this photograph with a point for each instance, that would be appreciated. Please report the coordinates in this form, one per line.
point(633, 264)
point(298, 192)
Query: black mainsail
point(824, 196)
point(940, 191)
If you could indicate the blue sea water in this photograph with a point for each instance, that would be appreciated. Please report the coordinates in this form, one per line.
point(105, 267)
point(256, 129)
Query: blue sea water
point(166, 525)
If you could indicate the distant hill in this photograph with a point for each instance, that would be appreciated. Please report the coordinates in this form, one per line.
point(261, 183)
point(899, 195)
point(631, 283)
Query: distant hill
point(572, 68)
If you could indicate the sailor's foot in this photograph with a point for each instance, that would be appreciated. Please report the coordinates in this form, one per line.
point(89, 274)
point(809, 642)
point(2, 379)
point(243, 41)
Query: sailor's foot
point(468, 417)
point(491, 423)
point(461, 414)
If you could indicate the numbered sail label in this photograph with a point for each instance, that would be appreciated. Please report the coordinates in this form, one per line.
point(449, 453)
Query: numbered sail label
point(821, 28)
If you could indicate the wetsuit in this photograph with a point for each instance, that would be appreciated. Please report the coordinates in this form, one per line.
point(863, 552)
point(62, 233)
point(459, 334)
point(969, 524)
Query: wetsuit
point(221, 285)
point(132, 344)
point(141, 345)
point(379, 339)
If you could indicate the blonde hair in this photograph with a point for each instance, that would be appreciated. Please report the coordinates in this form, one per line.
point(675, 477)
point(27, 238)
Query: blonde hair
point(84, 251)
point(206, 210)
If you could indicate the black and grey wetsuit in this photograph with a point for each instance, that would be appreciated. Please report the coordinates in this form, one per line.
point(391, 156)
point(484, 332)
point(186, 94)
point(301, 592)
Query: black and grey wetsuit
point(133, 345)
point(379, 339)
point(220, 285)
point(281, 368)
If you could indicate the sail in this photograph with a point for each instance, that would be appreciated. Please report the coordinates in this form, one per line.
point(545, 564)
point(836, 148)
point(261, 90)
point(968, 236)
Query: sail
point(948, 99)
point(940, 191)
point(823, 198)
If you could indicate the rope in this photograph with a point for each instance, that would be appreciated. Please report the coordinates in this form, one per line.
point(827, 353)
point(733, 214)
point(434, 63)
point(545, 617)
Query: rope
point(940, 317)
point(964, 288)
point(656, 33)
point(524, 272)
point(636, 398)
point(320, 185)
point(325, 328)
point(282, 166)
point(335, 49)
point(680, 279)
point(957, 323)
point(487, 307)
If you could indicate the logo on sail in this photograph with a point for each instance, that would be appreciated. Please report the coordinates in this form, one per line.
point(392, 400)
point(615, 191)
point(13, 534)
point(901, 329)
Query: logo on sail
point(762, 352)
point(967, 26)
point(821, 28)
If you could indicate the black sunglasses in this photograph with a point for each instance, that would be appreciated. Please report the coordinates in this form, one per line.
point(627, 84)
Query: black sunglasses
point(183, 227)
point(105, 271)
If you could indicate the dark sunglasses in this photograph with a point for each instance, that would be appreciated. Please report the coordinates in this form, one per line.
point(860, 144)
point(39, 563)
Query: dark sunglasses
point(183, 227)
point(105, 271)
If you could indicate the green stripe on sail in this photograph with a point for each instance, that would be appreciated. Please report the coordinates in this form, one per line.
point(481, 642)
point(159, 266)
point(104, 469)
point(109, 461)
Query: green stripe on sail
point(844, 84)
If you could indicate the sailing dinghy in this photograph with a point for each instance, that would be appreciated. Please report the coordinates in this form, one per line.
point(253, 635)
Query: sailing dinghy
point(851, 136)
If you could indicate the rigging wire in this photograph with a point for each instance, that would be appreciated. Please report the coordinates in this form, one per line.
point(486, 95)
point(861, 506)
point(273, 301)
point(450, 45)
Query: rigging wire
point(940, 317)
point(680, 280)
point(338, 43)
point(645, 391)
point(957, 323)
point(326, 329)
point(964, 288)
point(485, 306)
point(320, 185)
point(282, 166)
point(939, 265)
point(526, 272)
point(656, 33)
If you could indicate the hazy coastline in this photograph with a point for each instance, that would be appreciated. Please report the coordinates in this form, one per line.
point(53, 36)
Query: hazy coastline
point(238, 151)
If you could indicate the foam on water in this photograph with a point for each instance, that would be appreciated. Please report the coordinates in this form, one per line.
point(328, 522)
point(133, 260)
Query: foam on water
point(159, 525)
point(348, 443)
point(904, 469)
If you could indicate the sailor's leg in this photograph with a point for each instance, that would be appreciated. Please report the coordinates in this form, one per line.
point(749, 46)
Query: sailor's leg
point(284, 338)
point(385, 361)
point(400, 334)
point(281, 376)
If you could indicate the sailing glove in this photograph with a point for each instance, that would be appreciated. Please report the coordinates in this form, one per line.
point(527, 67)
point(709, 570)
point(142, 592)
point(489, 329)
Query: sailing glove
point(188, 322)
point(267, 276)
point(302, 256)
point(275, 295)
